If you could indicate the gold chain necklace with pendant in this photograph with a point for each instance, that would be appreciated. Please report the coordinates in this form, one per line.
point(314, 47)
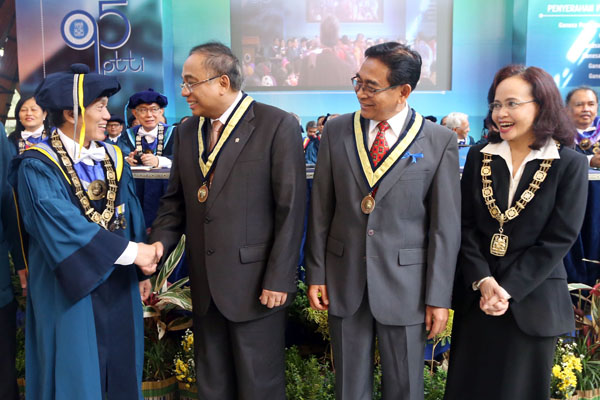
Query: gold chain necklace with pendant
point(499, 242)
point(111, 176)
point(159, 146)
point(24, 144)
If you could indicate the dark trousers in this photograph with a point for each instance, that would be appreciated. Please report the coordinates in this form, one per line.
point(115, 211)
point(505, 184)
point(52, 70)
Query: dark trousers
point(401, 348)
point(8, 352)
point(240, 360)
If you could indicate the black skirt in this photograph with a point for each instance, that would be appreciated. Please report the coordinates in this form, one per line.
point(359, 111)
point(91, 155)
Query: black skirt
point(492, 359)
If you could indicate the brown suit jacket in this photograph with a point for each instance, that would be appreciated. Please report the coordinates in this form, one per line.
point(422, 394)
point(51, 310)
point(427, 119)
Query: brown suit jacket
point(246, 236)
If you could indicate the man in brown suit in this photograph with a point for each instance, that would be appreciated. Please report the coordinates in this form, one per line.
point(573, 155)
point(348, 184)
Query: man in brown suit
point(237, 190)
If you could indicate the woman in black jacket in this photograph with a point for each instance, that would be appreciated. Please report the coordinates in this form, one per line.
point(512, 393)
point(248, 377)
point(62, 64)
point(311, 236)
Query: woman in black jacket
point(523, 202)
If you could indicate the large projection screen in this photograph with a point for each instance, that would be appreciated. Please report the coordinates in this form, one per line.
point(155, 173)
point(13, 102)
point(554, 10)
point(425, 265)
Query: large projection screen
point(319, 44)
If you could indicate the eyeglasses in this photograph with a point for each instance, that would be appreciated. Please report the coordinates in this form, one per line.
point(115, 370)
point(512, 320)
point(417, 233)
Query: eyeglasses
point(190, 86)
point(368, 90)
point(511, 104)
point(151, 110)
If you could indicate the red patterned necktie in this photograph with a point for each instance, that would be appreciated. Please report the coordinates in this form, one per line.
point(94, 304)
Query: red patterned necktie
point(380, 145)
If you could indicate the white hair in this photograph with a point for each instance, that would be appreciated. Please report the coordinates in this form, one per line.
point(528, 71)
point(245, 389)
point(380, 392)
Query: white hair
point(455, 120)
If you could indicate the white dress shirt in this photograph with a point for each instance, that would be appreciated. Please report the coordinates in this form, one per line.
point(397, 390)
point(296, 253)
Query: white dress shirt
point(391, 135)
point(223, 118)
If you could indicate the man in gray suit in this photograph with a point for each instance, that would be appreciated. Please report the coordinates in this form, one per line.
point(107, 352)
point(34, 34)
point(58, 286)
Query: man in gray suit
point(384, 229)
point(237, 190)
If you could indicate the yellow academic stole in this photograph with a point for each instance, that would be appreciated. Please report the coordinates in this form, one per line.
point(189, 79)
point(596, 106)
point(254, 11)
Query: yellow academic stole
point(207, 164)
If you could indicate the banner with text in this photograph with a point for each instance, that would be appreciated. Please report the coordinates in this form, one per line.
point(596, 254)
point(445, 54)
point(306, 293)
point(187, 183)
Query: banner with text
point(563, 37)
point(117, 38)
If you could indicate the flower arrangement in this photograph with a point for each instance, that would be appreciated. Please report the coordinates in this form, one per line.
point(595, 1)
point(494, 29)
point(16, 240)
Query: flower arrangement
point(566, 365)
point(184, 366)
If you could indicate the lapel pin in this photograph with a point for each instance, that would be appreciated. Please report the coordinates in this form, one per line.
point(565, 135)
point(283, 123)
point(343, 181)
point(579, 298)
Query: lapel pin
point(237, 139)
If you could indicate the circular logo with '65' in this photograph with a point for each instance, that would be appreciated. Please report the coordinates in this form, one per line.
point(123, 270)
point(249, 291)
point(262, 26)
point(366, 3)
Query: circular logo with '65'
point(79, 30)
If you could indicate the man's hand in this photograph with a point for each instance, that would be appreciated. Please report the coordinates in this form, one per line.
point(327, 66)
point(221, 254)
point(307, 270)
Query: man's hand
point(146, 259)
point(145, 289)
point(159, 250)
point(150, 160)
point(595, 161)
point(131, 158)
point(272, 299)
point(23, 280)
point(435, 320)
point(317, 295)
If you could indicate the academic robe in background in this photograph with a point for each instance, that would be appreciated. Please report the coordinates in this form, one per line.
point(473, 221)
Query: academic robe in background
point(9, 242)
point(84, 328)
point(149, 191)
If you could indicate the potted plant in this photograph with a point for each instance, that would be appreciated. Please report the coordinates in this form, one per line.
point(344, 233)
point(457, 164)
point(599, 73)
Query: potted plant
point(160, 317)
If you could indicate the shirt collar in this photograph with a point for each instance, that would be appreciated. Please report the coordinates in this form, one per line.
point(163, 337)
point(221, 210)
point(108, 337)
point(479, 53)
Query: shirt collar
point(396, 122)
point(153, 132)
point(35, 133)
point(502, 149)
point(225, 116)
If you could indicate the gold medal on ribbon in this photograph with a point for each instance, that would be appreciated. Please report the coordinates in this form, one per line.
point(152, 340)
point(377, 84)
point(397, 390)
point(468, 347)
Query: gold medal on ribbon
point(367, 205)
point(203, 193)
point(97, 190)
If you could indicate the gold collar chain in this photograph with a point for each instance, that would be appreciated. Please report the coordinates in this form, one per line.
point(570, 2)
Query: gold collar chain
point(159, 145)
point(24, 144)
point(111, 196)
point(499, 243)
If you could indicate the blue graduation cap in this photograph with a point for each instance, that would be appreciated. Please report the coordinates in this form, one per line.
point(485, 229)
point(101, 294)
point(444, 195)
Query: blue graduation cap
point(148, 97)
point(58, 90)
point(75, 89)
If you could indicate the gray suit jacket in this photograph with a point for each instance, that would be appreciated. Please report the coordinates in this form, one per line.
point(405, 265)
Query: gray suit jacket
point(247, 235)
point(405, 251)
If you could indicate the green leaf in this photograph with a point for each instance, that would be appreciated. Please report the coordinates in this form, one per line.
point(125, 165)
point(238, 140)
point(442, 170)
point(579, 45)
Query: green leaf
point(180, 297)
point(579, 286)
point(169, 266)
point(180, 283)
point(180, 323)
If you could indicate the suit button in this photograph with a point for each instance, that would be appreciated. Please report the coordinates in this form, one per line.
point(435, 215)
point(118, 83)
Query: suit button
point(371, 232)
point(207, 220)
point(210, 252)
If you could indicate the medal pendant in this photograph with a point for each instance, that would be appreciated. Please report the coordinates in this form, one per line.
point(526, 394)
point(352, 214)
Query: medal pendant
point(122, 222)
point(203, 193)
point(585, 144)
point(367, 205)
point(97, 190)
point(113, 226)
point(499, 245)
point(148, 151)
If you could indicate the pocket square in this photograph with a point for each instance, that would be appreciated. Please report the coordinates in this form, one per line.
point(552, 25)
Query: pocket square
point(414, 156)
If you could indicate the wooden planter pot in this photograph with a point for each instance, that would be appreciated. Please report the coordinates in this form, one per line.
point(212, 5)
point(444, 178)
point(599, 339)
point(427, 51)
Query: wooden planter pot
point(160, 390)
point(190, 393)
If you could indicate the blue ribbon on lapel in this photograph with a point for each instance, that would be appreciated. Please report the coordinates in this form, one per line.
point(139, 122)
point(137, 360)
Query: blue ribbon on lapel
point(413, 156)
